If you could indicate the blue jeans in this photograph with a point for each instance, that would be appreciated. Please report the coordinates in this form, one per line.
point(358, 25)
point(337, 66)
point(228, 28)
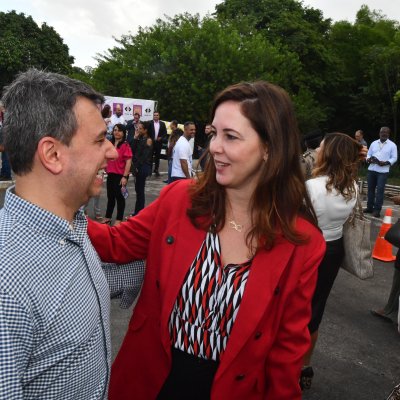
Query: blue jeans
point(5, 166)
point(376, 181)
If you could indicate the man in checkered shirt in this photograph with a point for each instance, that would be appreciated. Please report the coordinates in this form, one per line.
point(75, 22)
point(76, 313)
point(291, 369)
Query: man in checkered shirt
point(54, 295)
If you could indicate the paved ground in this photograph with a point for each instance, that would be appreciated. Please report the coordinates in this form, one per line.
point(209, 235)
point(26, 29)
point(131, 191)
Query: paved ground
point(357, 355)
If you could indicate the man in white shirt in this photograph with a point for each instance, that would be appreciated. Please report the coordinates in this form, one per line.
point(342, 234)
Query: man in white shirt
point(117, 118)
point(382, 154)
point(182, 154)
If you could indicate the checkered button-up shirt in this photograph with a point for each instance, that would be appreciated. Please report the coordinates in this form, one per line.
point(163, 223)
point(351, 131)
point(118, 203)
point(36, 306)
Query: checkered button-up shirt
point(54, 306)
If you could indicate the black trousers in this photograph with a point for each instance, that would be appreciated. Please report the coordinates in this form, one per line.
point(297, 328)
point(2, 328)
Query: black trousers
point(327, 273)
point(190, 377)
point(157, 153)
point(114, 194)
point(140, 182)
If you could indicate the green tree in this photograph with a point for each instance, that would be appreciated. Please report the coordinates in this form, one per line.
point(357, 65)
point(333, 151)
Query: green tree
point(304, 33)
point(23, 44)
point(302, 30)
point(368, 54)
point(182, 62)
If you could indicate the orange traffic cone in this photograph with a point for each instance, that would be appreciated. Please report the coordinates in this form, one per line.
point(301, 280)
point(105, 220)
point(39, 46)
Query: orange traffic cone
point(383, 249)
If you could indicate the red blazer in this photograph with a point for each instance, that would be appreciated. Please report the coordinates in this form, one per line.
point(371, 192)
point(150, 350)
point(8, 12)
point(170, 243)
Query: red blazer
point(264, 353)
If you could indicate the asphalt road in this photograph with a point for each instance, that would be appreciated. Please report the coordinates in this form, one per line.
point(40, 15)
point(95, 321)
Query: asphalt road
point(357, 356)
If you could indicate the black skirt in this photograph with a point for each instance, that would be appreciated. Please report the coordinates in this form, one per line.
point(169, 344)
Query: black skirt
point(190, 377)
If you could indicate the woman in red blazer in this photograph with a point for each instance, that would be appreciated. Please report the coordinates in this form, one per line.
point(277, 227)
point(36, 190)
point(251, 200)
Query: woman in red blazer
point(231, 265)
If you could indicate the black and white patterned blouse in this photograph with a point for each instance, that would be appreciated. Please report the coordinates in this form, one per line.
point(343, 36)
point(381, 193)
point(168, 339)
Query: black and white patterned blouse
point(208, 302)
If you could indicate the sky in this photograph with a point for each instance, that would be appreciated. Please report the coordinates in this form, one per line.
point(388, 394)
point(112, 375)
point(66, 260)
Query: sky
point(88, 27)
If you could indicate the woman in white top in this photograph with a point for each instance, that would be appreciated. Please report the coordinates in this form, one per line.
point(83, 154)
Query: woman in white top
point(333, 192)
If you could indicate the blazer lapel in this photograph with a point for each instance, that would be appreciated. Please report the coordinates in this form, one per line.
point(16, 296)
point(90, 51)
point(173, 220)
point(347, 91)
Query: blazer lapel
point(266, 270)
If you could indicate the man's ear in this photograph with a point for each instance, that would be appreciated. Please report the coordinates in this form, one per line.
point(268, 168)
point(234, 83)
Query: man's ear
point(48, 152)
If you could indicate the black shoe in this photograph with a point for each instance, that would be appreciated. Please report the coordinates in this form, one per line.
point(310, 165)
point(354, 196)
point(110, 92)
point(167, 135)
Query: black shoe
point(306, 376)
point(368, 211)
point(376, 214)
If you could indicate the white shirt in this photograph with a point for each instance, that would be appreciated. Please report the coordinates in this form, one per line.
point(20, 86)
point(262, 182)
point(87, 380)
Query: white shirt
point(386, 151)
point(182, 151)
point(191, 143)
point(331, 208)
point(156, 129)
point(117, 120)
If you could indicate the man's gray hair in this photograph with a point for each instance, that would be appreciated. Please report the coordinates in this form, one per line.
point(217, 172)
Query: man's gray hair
point(39, 104)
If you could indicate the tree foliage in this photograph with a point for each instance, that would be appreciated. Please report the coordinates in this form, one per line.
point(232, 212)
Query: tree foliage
point(368, 54)
point(341, 76)
point(184, 61)
point(23, 44)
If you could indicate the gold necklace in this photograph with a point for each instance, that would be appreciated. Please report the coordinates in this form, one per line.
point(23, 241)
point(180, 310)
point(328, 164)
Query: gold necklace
point(235, 226)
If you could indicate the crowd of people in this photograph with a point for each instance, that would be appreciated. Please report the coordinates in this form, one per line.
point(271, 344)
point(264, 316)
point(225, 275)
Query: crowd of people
point(233, 281)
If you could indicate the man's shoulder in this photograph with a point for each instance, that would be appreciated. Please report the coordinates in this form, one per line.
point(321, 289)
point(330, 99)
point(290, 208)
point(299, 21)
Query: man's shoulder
point(310, 154)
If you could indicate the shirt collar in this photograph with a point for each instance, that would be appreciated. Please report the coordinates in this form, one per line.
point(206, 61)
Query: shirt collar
point(44, 222)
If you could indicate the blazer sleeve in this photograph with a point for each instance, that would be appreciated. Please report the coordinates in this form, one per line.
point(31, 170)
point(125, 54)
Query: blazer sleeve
point(293, 338)
point(163, 130)
point(129, 240)
point(151, 130)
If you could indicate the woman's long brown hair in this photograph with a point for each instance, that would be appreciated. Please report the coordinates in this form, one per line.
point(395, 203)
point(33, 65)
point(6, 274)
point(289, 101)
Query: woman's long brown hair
point(280, 195)
point(338, 159)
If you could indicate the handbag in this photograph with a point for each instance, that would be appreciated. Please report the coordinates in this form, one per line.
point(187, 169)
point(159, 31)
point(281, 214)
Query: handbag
point(357, 244)
point(393, 234)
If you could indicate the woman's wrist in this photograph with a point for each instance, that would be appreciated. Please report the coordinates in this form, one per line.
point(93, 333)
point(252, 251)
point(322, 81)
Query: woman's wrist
point(125, 176)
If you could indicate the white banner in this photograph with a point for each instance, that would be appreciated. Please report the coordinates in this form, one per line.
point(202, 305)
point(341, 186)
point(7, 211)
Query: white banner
point(130, 106)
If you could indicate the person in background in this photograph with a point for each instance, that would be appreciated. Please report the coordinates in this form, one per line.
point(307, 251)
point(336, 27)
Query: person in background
point(142, 161)
point(390, 310)
point(131, 128)
point(333, 192)
point(176, 133)
point(231, 266)
point(106, 114)
point(158, 133)
point(209, 131)
point(117, 175)
point(118, 118)
point(54, 297)
point(182, 154)
point(382, 154)
point(359, 136)
point(307, 160)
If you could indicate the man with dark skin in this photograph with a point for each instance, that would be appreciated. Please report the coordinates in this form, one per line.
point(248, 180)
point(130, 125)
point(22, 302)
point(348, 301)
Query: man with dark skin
point(382, 154)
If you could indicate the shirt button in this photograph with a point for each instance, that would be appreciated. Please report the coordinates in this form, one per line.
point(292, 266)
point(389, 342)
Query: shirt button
point(257, 335)
point(62, 242)
point(170, 240)
point(277, 290)
point(239, 377)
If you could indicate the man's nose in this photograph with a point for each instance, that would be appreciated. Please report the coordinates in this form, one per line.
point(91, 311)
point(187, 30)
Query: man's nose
point(112, 153)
